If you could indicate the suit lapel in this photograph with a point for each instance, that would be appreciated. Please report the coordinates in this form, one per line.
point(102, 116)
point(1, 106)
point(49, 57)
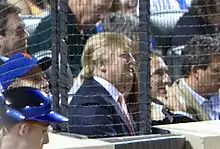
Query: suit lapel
point(192, 106)
point(111, 101)
point(108, 98)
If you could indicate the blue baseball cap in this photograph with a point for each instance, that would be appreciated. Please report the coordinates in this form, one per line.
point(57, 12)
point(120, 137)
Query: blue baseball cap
point(6, 112)
point(33, 104)
point(18, 66)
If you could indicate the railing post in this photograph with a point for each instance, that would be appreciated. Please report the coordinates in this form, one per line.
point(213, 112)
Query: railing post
point(144, 67)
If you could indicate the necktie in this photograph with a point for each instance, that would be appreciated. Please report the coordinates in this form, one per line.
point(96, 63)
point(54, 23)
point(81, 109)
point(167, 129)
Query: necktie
point(124, 109)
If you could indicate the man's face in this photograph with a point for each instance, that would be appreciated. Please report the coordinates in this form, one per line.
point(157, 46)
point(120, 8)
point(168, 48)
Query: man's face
point(29, 134)
point(159, 77)
point(120, 70)
point(209, 79)
point(15, 38)
point(38, 134)
point(89, 12)
point(35, 78)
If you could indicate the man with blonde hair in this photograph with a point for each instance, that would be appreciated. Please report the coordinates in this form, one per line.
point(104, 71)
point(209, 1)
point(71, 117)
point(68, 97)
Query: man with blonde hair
point(98, 108)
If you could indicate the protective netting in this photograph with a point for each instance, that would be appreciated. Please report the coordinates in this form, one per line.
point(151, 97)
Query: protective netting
point(118, 66)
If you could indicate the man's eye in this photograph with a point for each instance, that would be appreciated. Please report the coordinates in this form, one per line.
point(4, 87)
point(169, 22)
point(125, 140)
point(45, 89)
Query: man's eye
point(125, 56)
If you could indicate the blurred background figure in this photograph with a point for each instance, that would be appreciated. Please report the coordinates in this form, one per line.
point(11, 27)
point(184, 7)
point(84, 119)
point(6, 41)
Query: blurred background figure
point(77, 14)
point(120, 22)
point(32, 7)
point(163, 6)
point(13, 36)
point(201, 19)
point(126, 6)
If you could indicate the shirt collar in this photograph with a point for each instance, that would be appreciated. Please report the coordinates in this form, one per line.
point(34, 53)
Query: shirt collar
point(109, 87)
point(198, 97)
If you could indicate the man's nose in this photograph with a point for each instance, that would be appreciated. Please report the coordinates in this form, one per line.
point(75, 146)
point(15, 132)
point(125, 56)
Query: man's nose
point(132, 59)
point(45, 139)
point(166, 79)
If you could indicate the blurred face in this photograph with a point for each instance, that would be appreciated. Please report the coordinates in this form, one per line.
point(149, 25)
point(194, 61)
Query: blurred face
point(214, 19)
point(35, 78)
point(119, 70)
point(15, 38)
point(89, 11)
point(159, 77)
point(128, 5)
point(26, 135)
point(209, 79)
point(38, 135)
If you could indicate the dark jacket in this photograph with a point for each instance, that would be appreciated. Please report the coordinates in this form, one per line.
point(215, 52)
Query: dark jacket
point(41, 40)
point(189, 25)
point(93, 112)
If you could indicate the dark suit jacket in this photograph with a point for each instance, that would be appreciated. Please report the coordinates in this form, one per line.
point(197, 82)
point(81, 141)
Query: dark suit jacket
point(93, 112)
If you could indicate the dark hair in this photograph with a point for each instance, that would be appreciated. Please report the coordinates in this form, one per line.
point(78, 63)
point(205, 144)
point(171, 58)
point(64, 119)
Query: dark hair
point(120, 22)
point(5, 10)
point(206, 8)
point(198, 52)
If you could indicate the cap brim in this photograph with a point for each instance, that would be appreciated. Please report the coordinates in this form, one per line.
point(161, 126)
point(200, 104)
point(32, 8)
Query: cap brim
point(52, 117)
point(3, 59)
point(12, 116)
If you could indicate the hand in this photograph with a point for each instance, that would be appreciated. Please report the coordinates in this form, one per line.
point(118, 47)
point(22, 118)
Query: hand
point(171, 101)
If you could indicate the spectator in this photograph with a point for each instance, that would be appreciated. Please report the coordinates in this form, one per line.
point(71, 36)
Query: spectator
point(31, 132)
point(200, 71)
point(125, 6)
point(23, 70)
point(201, 19)
point(78, 13)
point(98, 109)
point(119, 22)
point(160, 83)
point(28, 7)
point(13, 37)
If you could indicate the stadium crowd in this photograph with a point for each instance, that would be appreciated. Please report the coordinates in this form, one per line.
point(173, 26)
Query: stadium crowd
point(103, 47)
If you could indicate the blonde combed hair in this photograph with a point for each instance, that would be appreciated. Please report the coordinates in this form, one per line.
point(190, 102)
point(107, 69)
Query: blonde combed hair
point(100, 47)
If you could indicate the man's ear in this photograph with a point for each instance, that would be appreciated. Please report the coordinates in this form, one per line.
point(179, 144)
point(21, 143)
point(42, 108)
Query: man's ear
point(24, 129)
point(194, 72)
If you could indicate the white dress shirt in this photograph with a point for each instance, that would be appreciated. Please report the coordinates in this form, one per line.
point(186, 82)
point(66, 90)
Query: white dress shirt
point(211, 106)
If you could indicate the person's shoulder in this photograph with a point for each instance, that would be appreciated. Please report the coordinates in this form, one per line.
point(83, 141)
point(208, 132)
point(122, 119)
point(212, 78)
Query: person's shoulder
point(190, 18)
point(90, 92)
point(176, 86)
